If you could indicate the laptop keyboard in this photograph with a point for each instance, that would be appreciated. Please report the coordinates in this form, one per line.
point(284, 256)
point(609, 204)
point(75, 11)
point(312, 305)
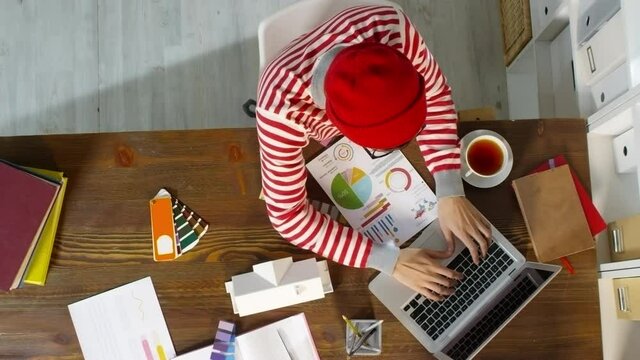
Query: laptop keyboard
point(434, 317)
point(492, 320)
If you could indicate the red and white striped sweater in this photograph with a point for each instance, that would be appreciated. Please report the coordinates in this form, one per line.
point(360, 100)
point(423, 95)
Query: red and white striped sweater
point(287, 117)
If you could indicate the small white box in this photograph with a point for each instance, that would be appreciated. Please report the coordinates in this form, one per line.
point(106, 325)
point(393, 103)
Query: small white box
point(624, 152)
point(593, 14)
point(611, 86)
point(549, 20)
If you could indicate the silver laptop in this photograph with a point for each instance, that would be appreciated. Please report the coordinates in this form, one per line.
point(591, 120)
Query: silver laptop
point(489, 296)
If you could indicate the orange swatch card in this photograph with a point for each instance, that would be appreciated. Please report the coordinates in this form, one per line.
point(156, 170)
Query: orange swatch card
point(163, 229)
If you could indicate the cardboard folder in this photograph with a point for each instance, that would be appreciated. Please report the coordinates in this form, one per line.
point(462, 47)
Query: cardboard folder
point(553, 214)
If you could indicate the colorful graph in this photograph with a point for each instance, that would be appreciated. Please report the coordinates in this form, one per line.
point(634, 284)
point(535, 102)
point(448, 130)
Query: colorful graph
point(422, 208)
point(343, 152)
point(375, 209)
point(351, 188)
point(378, 223)
point(382, 229)
point(397, 180)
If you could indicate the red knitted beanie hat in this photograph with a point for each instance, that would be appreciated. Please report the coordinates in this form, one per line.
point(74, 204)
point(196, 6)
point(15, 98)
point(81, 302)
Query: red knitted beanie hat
point(375, 96)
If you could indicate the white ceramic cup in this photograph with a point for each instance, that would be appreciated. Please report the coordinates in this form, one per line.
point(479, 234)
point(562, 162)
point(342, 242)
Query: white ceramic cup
point(503, 149)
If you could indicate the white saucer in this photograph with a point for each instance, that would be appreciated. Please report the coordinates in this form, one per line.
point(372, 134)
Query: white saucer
point(481, 181)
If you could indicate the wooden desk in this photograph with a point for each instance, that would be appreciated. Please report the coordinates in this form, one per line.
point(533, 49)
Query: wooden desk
point(104, 241)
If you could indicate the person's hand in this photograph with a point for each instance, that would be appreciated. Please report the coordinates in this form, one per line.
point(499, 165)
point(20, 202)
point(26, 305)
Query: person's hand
point(460, 218)
point(418, 269)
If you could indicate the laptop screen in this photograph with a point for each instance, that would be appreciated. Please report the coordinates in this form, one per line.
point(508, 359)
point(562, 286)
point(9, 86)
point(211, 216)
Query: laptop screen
point(512, 300)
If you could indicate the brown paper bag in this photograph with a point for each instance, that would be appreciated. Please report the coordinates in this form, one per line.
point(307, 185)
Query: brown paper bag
point(552, 212)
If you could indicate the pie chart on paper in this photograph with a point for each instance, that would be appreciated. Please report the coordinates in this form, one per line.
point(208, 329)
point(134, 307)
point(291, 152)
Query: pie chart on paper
point(351, 188)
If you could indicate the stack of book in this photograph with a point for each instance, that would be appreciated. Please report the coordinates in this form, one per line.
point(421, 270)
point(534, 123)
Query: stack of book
point(29, 214)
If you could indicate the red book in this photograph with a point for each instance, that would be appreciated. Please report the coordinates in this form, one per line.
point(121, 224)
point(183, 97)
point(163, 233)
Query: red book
point(25, 202)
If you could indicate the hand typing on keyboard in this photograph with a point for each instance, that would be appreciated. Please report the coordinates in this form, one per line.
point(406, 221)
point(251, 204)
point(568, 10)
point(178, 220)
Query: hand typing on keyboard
point(460, 218)
point(435, 317)
point(418, 269)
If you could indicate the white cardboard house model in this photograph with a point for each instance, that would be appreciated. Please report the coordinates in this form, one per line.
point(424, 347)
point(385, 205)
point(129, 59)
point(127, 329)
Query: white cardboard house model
point(279, 283)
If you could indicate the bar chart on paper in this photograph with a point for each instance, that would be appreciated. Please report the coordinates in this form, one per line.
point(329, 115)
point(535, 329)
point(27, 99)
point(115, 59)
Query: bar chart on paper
point(378, 223)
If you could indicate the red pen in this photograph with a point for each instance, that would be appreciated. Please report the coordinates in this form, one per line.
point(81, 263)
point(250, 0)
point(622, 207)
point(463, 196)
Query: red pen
point(567, 265)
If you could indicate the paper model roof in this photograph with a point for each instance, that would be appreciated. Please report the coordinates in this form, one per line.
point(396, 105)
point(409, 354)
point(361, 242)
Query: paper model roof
point(274, 273)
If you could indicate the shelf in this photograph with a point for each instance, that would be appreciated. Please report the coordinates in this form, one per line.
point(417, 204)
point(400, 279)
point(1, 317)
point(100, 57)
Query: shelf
point(522, 85)
point(540, 80)
point(619, 269)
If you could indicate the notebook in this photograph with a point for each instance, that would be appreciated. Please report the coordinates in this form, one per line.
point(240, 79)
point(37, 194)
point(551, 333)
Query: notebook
point(38, 267)
point(594, 219)
point(26, 202)
point(553, 213)
point(287, 339)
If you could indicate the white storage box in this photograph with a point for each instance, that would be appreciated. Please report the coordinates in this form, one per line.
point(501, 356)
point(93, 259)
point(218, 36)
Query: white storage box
point(549, 20)
point(605, 51)
point(594, 15)
point(611, 86)
point(624, 152)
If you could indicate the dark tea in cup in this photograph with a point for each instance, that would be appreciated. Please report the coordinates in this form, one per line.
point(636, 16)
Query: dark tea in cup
point(485, 156)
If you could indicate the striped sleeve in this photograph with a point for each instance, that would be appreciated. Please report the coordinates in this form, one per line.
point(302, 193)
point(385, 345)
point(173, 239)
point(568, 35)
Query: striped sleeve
point(438, 141)
point(283, 179)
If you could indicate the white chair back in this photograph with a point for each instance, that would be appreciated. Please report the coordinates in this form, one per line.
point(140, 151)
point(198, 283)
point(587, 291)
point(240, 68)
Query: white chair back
point(279, 29)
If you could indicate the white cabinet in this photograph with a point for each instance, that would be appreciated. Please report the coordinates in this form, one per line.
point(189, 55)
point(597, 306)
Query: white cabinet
point(606, 51)
point(584, 61)
point(583, 55)
point(616, 194)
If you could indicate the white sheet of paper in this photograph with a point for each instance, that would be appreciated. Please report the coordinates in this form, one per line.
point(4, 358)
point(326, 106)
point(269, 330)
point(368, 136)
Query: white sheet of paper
point(124, 323)
point(384, 198)
point(289, 338)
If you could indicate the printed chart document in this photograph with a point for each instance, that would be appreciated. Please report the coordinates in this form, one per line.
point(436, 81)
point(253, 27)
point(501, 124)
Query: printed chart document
point(383, 198)
point(124, 323)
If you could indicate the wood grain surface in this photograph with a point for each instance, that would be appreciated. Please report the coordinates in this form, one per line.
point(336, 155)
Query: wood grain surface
point(104, 241)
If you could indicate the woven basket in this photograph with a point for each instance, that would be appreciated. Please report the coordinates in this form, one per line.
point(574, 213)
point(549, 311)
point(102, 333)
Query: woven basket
point(516, 27)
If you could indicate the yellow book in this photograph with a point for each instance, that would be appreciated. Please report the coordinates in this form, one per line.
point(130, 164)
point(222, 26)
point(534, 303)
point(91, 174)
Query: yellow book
point(36, 273)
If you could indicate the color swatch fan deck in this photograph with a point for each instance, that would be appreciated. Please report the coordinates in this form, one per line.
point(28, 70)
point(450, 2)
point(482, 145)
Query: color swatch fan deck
point(175, 228)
